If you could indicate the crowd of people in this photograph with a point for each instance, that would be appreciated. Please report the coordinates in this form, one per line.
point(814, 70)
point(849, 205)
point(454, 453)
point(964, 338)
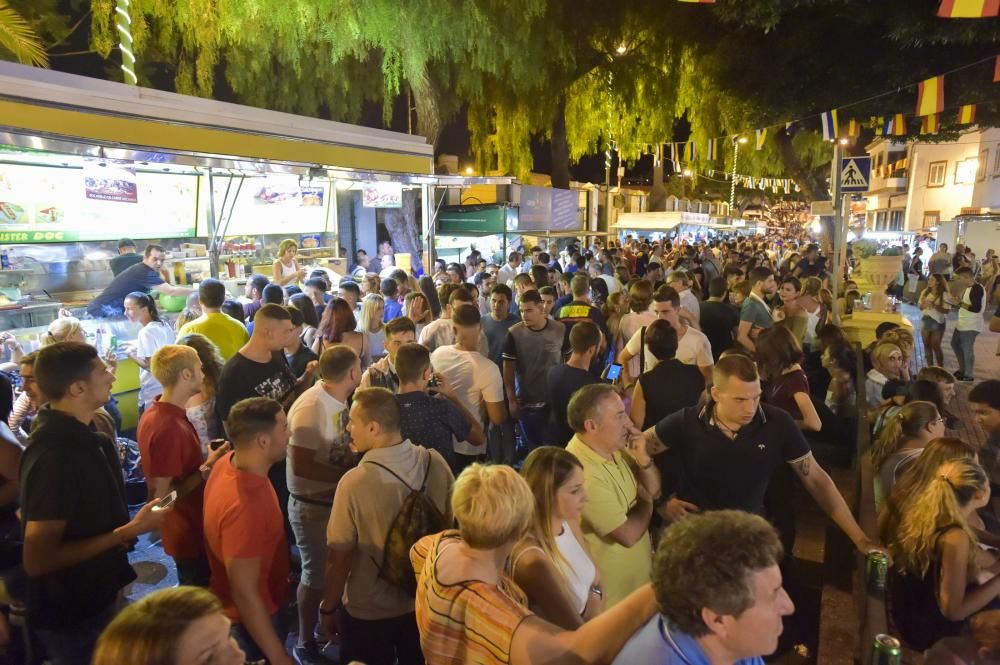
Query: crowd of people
point(583, 455)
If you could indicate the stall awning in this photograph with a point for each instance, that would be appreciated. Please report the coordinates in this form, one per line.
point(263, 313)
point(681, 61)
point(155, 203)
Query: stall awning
point(45, 106)
point(473, 220)
point(659, 221)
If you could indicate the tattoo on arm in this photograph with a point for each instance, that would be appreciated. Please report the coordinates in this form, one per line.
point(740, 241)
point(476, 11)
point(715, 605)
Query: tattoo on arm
point(803, 466)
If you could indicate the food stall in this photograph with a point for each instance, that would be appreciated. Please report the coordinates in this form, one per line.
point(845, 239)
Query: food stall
point(84, 162)
point(459, 229)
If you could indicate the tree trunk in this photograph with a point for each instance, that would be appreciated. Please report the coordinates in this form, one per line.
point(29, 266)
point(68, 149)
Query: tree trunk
point(428, 109)
point(810, 181)
point(560, 146)
point(658, 196)
point(402, 226)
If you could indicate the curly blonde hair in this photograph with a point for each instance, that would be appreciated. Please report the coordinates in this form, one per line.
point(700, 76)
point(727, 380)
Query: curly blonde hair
point(904, 424)
point(937, 508)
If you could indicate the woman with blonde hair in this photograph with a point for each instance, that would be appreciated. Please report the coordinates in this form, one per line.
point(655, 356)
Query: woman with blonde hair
point(815, 310)
point(937, 561)
point(615, 308)
point(371, 326)
point(179, 626)
point(417, 309)
point(934, 308)
point(469, 611)
point(200, 408)
point(903, 438)
point(285, 268)
point(902, 338)
point(63, 329)
point(917, 476)
point(552, 562)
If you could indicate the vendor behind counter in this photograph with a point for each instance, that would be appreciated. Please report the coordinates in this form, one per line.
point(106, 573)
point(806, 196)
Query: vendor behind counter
point(143, 277)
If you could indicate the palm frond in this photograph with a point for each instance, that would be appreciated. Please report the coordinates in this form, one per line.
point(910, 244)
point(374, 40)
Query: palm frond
point(19, 38)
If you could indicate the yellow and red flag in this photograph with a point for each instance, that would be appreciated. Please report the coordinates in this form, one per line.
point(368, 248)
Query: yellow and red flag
point(967, 114)
point(930, 124)
point(899, 125)
point(968, 8)
point(930, 96)
point(996, 71)
point(853, 128)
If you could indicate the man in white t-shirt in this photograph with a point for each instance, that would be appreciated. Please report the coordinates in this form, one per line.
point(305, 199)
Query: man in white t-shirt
point(440, 332)
point(680, 281)
point(474, 377)
point(693, 347)
point(318, 455)
point(509, 269)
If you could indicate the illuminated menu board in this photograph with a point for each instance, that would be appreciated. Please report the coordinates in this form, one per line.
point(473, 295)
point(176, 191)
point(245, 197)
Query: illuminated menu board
point(102, 201)
point(265, 205)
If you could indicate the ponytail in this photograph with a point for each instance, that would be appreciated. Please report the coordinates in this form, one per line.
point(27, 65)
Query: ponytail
point(146, 302)
point(901, 426)
point(936, 509)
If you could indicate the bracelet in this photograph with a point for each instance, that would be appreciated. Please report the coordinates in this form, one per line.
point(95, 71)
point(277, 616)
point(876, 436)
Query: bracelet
point(649, 464)
point(597, 591)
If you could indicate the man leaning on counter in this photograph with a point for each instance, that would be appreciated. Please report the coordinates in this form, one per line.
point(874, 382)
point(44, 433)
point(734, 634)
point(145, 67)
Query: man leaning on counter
point(143, 276)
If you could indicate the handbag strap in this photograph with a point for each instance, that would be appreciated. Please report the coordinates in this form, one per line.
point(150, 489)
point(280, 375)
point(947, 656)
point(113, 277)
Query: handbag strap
point(642, 350)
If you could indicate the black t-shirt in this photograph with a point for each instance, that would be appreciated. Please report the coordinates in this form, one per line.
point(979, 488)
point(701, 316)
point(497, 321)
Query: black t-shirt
point(242, 378)
point(122, 261)
point(110, 302)
point(297, 361)
point(432, 422)
point(815, 269)
point(670, 387)
point(718, 320)
point(717, 473)
point(564, 380)
point(496, 334)
point(73, 474)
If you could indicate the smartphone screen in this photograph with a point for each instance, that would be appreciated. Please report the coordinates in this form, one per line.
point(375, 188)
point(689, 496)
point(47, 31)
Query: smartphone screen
point(614, 372)
point(166, 501)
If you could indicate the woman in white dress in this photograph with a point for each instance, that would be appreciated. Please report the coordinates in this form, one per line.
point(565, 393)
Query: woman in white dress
point(552, 563)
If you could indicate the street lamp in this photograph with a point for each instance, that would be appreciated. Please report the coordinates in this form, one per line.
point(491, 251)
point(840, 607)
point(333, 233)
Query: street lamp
point(622, 49)
point(742, 140)
point(468, 170)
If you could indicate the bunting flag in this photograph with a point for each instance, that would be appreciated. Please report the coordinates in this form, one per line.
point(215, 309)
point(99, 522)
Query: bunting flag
point(996, 70)
point(929, 124)
point(967, 114)
point(788, 186)
point(788, 127)
point(853, 128)
point(713, 150)
point(829, 121)
point(689, 151)
point(899, 124)
point(968, 8)
point(930, 96)
point(675, 157)
point(761, 137)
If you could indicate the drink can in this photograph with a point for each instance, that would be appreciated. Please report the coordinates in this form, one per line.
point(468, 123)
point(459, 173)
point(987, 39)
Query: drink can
point(886, 650)
point(114, 342)
point(877, 571)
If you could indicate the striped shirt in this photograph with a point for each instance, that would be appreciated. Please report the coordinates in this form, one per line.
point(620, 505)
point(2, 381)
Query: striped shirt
point(465, 622)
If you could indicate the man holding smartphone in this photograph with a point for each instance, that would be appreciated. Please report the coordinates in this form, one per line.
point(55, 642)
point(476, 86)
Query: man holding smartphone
point(172, 459)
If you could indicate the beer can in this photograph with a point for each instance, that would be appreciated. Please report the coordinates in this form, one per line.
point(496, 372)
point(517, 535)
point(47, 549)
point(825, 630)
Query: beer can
point(114, 342)
point(886, 650)
point(877, 571)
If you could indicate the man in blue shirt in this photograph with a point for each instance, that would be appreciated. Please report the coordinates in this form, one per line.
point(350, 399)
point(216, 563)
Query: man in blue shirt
point(718, 589)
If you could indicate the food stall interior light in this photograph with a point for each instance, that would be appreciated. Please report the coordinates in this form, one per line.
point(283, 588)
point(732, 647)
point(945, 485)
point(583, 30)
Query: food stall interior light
point(816, 227)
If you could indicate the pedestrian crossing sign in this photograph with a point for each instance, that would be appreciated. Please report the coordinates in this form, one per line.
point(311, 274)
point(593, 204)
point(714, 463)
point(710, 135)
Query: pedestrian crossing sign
point(855, 174)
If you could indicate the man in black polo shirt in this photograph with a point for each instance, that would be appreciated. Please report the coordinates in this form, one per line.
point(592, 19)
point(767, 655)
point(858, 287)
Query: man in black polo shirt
point(811, 264)
point(729, 449)
point(76, 524)
point(127, 257)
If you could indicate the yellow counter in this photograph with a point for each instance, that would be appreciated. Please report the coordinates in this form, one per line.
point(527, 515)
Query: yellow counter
point(126, 391)
point(860, 326)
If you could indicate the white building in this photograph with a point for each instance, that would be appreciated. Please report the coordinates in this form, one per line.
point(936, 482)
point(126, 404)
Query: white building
point(916, 186)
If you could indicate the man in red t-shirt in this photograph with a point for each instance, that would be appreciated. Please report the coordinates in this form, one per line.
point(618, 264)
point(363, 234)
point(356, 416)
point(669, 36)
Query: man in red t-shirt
point(245, 532)
point(172, 459)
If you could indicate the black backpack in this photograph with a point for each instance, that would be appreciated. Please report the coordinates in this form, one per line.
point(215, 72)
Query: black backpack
point(417, 517)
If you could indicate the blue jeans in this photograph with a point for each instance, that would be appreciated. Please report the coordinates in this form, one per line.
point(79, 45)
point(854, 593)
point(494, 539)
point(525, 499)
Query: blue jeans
point(534, 422)
point(74, 645)
point(963, 343)
point(243, 638)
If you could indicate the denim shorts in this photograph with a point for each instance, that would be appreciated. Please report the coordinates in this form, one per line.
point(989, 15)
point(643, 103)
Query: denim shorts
point(308, 521)
point(929, 325)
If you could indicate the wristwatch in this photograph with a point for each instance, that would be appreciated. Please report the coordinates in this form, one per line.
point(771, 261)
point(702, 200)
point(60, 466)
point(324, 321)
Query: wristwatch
point(597, 591)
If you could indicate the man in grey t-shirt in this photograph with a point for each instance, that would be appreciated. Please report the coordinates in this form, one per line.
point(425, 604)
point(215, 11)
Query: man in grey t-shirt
point(533, 347)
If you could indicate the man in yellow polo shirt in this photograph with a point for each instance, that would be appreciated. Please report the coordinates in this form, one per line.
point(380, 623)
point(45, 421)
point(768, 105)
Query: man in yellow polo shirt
point(225, 332)
point(621, 484)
